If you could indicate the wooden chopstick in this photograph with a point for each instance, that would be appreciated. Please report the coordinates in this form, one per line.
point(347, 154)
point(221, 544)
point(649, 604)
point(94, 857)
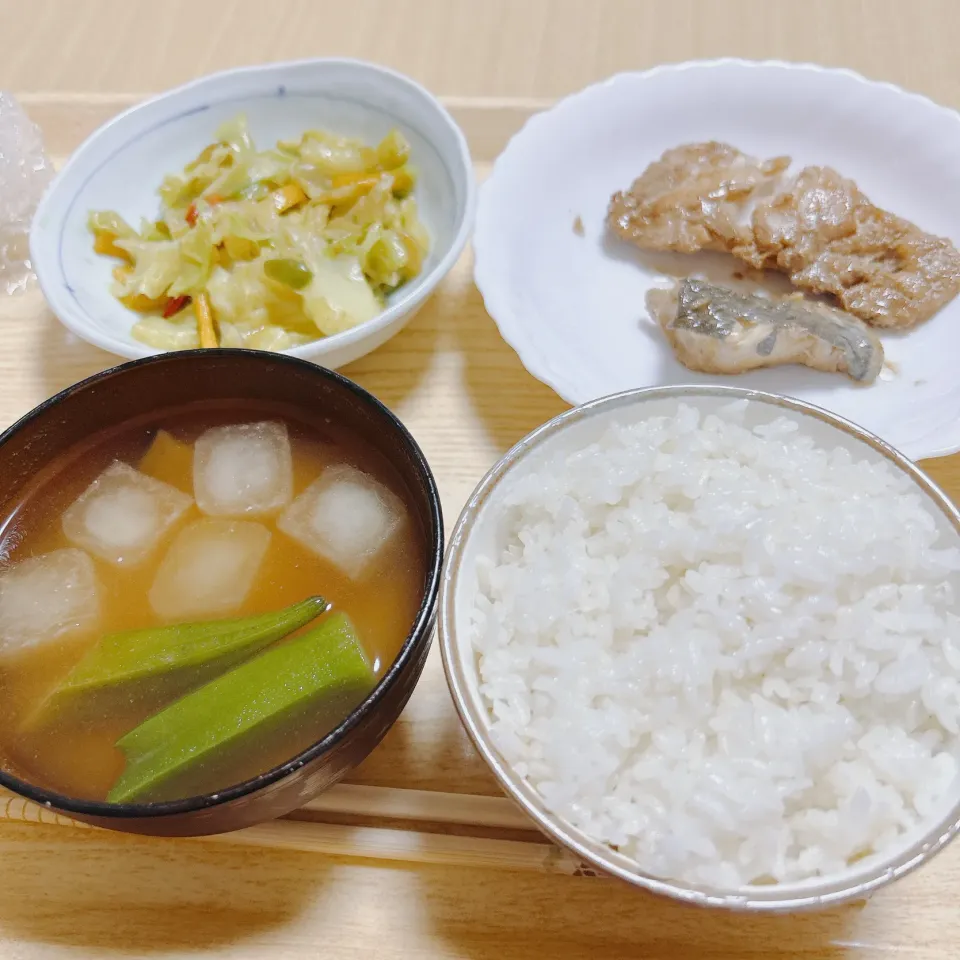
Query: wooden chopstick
point(372, 843)
point(390, 803)
point(408, 846)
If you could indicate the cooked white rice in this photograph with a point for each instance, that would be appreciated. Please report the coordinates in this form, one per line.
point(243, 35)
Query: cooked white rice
point(727, 652)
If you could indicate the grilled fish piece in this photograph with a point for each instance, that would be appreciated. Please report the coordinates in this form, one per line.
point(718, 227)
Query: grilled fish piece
point(816, 226)
point(714, 329)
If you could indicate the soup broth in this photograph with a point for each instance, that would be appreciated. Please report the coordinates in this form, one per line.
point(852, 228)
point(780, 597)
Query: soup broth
point(72, 748)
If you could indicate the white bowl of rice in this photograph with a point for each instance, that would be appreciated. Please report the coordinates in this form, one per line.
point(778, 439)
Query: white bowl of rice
point(708, 639)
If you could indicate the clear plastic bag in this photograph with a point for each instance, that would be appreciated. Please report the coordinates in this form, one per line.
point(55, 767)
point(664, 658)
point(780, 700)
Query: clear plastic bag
point(25, 172)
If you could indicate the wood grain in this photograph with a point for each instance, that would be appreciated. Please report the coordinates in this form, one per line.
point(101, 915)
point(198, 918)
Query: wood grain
point(497, 48)
point(84, 893)
point(78, 893)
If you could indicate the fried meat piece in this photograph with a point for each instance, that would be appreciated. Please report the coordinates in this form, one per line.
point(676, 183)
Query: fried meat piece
point(817, 227)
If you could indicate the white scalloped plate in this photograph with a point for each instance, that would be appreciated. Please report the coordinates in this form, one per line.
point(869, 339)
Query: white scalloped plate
point(573, 306)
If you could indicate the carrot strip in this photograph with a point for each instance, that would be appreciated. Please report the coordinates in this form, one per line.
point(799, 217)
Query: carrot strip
point(288, 196)
point(104, 242)
point(175, 305)
point(141, 302)
point(205, 327)
point(362, 179)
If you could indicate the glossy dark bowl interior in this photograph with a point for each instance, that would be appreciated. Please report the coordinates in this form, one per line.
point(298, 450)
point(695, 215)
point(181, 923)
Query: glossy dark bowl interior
point(149, 386)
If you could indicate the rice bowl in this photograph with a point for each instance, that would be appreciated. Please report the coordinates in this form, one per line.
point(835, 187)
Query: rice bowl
point(709, 645)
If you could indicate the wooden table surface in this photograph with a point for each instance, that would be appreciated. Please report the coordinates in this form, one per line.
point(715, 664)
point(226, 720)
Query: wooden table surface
point(86, 893)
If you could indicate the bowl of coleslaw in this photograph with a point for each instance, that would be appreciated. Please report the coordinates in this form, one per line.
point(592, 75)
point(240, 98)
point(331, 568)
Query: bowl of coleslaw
point(308, 208)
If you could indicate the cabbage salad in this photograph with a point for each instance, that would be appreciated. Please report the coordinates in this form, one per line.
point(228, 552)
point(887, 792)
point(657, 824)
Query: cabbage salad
point(269, 249)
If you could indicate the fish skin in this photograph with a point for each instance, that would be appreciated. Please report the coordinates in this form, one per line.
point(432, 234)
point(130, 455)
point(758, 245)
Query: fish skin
point(714, 329)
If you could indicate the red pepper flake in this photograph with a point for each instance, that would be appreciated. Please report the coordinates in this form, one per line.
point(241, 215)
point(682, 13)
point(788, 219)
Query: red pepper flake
point(175, 305)
point(214, 199)
point(191, 217)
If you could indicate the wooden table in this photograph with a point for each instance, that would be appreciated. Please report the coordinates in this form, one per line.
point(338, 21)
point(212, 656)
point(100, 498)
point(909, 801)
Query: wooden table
point(392, 865)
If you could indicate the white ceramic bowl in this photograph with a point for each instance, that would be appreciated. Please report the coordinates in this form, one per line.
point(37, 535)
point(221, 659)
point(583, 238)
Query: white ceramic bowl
point(122, 164)
point(476, 534)
point(573, 306)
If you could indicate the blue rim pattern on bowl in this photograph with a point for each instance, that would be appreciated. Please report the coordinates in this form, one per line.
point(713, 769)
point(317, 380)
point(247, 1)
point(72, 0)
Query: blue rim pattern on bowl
point(405, 303)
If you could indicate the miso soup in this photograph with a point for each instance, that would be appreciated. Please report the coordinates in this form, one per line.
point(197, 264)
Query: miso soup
point(191, 599)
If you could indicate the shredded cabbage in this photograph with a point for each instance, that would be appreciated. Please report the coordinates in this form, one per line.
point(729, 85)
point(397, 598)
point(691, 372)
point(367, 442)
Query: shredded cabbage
point(337, 214)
